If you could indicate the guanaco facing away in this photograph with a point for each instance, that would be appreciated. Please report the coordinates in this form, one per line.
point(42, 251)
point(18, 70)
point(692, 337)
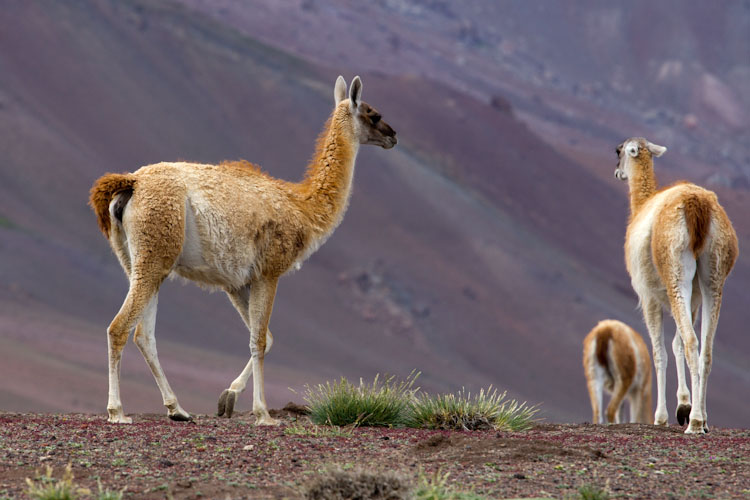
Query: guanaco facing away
point(228, 226)
point(616, 359)
point(679, 249)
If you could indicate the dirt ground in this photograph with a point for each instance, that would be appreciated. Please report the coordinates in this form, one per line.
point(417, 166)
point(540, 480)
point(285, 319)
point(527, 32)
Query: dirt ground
point(230, 458)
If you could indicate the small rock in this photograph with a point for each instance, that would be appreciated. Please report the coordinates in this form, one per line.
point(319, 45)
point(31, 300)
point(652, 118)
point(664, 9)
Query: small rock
point(653, 460)
point(185, 484)
point(518, 475)
point(45, 458)
point(248, 447)
point(385, 438)
point(166, 463)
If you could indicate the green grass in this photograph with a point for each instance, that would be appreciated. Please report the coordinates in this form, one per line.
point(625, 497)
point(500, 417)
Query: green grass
point(316, 431)
point(106, 494)
point(393, 403)
point(462, 411)
point(591, 492)
point(435, 487)
point(47, 487)
point(382, 403)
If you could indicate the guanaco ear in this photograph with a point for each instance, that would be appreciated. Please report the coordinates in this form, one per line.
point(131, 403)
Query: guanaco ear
point(339, 91)
point(655, 149)
point(355, 93)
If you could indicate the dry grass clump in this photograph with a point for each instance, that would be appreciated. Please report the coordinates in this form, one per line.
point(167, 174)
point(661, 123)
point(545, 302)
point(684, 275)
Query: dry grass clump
point(338, 484)
point(591, 492)
point(435, 487)
point(47, 487)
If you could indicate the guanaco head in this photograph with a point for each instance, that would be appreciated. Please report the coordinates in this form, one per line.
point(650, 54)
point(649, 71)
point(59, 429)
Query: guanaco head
point(635, 150)
point(369, 127)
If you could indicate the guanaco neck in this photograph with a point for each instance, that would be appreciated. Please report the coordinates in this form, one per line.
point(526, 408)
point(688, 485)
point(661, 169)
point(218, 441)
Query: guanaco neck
point(327, 184)
point(642, 184)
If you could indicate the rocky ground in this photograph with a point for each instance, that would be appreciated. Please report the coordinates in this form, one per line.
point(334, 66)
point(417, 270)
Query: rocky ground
point(221, 458)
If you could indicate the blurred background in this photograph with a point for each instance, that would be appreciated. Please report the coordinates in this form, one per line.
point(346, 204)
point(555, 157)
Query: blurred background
point(480, 250)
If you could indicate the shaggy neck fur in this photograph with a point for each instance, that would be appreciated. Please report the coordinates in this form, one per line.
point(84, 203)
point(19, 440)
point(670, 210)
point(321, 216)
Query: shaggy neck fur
point(642, 184)
point(327, 184)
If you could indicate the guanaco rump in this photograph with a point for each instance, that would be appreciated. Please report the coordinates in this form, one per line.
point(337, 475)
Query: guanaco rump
point(616, 359)
point(227, 226)
point(679, 249)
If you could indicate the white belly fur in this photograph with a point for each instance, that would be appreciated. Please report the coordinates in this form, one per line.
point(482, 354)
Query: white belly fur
point(643, 275)
point(208, 254)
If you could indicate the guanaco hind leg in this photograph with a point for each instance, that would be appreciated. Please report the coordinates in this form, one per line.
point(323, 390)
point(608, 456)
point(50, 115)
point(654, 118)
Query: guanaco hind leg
point(146, 342)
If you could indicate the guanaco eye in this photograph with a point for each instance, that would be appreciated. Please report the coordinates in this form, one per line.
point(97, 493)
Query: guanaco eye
point(375, 119)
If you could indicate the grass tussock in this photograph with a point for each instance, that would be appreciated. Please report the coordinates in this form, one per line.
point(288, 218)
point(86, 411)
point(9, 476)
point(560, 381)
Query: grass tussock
point(46, 487)
point(384, 402)
point(393, 403)
point(462, 411)
point(337, 484)
point(591, 492)
point(435, 487)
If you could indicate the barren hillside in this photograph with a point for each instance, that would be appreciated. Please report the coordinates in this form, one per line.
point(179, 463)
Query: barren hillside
point(479, 251)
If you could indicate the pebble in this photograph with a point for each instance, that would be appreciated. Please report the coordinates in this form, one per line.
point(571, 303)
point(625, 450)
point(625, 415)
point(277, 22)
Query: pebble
point(248, 447)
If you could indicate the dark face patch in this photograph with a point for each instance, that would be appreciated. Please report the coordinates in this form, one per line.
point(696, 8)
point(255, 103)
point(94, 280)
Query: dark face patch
point(375, 130)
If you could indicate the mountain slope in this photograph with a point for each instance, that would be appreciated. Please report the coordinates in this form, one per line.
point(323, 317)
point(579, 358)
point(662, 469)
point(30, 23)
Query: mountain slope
point(474, 251)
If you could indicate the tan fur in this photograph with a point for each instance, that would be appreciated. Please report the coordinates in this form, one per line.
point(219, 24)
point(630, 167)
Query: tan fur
point(625, 368)
point(679, 249)
point(229, 226)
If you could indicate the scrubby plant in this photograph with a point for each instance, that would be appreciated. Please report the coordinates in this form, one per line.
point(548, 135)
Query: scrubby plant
point(316, 431)
point(384, 402)
point(462, 411)
point(47, 487)
point(591, 492)
point(435, 487)
point(107, 494)
point(338, 484)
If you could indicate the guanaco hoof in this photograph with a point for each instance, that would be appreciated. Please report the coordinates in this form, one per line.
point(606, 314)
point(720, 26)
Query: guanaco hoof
point(226, 403)
point(180, 417)
point(683, 414)
point(120, 420)
point(695, 427)
point(116, 416)
point(267, 420)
